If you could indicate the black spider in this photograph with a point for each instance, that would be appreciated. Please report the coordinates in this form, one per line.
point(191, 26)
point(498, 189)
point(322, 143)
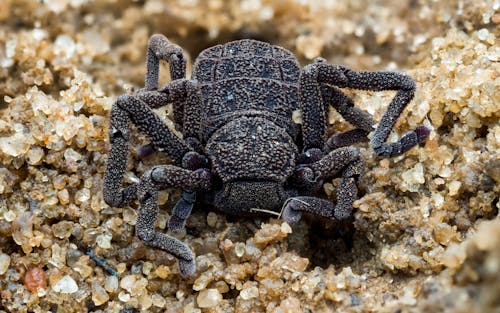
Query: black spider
point(241, 152)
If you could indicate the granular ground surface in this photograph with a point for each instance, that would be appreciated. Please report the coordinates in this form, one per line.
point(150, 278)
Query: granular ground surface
point(427, 224)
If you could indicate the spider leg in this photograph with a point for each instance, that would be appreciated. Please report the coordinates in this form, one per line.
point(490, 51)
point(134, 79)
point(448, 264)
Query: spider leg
point(135, 109)
point(294, 207)
point(313, 110)
point(181, 211)
point(352, 114)
point(344, 104)
point(158, 178)
point(345, 159)
point(160, 48)
point(345, 139)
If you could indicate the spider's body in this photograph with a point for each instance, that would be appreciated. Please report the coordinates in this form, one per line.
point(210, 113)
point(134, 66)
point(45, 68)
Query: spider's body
point(241, 151)
point(249, 91)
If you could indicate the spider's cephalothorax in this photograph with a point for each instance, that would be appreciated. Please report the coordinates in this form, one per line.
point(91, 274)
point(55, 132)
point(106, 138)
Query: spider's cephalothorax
point(241, 151)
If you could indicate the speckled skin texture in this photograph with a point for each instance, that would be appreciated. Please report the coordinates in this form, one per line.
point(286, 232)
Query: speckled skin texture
point(241, 152)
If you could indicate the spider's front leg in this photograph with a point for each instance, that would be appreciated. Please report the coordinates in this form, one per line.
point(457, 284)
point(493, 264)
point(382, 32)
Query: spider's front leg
point(312, 84)
point(136, 109)
point(160, 48)
point(159, 178)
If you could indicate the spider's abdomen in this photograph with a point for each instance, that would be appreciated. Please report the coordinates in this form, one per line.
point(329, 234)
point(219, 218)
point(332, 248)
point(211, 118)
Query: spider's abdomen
point(252, 149)
point(247, 77)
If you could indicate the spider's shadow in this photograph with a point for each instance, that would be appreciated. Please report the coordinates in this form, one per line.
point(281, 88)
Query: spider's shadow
point(327, 243)
point(321, 241)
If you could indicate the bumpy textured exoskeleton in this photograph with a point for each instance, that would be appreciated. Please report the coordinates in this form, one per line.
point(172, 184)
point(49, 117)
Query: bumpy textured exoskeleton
point(241, 152)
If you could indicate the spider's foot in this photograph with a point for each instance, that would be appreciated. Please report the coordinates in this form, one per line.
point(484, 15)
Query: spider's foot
point(187, 268)
point(289, 213)
point(423, 133)
point(405, 143)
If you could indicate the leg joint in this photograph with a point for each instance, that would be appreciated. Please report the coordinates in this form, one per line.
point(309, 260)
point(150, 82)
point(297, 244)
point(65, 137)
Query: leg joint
point(123, 100)
point(113, 199)
point(146, 235)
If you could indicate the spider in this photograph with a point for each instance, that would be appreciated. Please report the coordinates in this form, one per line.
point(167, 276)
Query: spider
point(240, 151)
